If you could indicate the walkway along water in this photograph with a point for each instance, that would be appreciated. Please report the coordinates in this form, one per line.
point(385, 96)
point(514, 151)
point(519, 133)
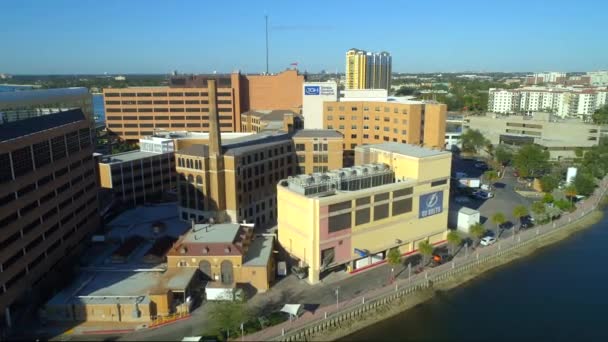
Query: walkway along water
point(328, 317)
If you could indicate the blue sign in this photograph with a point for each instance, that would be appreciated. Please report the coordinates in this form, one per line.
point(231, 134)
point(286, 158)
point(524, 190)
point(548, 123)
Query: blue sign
point(431, 204)
point(312, 90)
point(361, 252)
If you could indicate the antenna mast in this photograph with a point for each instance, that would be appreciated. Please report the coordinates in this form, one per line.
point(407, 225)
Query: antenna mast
point(266, 17)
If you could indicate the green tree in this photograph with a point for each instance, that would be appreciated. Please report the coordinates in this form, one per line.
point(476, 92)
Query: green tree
point(600, 116)
point(531, 161)
point(454, 240)
point(426, 250)
point(394, 257)
point(520, 211)
point(227, 316)
point(477, 230)
point(571, 192)
point(472, 141)
point(548, 183)
point(538, 207)
point(503, 155)
point(491, 176)
point(548, 198)
point(579, 152)
point(584, 184)
point(498, 219)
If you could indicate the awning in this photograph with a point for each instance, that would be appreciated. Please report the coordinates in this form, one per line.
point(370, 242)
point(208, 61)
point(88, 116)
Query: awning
point(292, 309)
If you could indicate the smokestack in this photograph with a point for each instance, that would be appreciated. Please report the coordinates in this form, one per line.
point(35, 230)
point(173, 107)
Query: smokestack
point(215, 140)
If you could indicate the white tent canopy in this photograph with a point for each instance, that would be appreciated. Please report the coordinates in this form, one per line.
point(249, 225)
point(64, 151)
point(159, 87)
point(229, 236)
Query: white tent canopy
point(292, 309)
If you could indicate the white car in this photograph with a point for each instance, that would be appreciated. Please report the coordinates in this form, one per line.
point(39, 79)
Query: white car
point(488, 240)
point(483, 194)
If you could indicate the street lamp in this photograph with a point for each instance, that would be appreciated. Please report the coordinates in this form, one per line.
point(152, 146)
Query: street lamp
point(337, 297)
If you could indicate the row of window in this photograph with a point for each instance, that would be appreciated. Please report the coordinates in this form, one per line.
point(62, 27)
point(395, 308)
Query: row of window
point(166, 110)
point(29, 158)
point(164, 102)
point(172, 117)
point(367, 109)
point(367, 118)
point(165, 94)
point(363, 216)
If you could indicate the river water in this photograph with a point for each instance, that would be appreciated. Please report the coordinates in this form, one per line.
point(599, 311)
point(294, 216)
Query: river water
point(558, 293)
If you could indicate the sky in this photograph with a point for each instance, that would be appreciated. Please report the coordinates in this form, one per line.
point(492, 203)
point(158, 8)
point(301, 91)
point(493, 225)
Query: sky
point(154, 36)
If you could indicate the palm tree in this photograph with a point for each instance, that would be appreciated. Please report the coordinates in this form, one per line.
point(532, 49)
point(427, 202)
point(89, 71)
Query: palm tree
point(520, 211)
point(454, 239)
point(498, 219)
point(425, 249)
point(491, 176)
point(393, 258)
point(477, 230)
point(571, 192)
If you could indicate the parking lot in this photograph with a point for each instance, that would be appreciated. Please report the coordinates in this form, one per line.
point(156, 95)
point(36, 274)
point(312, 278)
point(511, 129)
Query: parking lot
point(504, 200)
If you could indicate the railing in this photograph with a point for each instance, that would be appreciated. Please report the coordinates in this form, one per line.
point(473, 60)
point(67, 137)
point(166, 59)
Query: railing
point(328, 316)
point(160, 320)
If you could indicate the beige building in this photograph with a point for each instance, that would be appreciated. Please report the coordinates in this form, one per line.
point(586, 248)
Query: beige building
point(561, 137)
point(226, 254)
point(271, 120)
point(396, 196)
point(374, 122)
point(368, 70)
point(318, 150)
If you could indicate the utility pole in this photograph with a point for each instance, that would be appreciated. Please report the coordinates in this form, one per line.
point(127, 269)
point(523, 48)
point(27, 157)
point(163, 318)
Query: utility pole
point(266, 17)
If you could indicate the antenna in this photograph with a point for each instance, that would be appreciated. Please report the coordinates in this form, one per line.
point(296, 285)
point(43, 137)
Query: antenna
point(266, 17)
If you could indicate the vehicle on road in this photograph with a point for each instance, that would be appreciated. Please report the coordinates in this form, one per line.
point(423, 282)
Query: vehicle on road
point(483, 195)
point(469, 182)
point(488, 240)
point(440, 258)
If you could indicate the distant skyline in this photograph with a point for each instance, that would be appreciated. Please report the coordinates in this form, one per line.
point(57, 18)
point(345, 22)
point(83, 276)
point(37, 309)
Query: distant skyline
point(135, 37)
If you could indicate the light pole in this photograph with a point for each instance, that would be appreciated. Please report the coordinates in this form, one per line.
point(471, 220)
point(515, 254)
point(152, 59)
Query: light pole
point(337, 297)
point(409, 272)
point(242, 332)
point(392, 274)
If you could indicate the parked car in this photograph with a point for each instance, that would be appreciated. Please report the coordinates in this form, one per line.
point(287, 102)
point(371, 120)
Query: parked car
point(300, 272)
point(488, 240)
point(440, 258)
point(515, 173)
point(525, 223)
point(483, 195)
point(459, 175)
point(462, 199)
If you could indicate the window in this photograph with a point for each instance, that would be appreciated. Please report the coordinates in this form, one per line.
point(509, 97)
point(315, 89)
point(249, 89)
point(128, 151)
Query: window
point(362, 216)
point(354, 109)
point(402, 206)
point(330, 117)
point(301, 158)
point(330, 109)
point(381, 197)
point(439, 182)
point(403, 192)
point(72, 142)
point(339, 206)
point(42, 154)
point(5, 168)
point(341, 118)
point(353, 126)
point(380, 211)
point(22, 161)
point(339, 222)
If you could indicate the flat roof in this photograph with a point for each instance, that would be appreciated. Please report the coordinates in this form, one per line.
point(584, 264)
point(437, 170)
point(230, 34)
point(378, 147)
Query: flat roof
point(127, 156)
point(271, 115)
point(238, 145)
point(212, 233)
point(405, 149)
point(139, 221)
point(259, 251)
point(15, 129)
point(41, 96)
point(317, 133)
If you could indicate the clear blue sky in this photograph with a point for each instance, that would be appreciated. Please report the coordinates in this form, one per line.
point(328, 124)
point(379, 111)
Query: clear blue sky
point(137, 36)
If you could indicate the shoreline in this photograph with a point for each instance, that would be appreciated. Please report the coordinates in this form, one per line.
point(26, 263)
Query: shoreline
point(406, 303)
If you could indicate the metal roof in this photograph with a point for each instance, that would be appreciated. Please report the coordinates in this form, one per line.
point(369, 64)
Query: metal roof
point(259, 251)
point(317, 133)
point(404, 149)
point(212, 233)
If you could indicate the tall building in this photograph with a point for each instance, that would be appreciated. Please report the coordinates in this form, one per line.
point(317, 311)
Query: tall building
point(396, 197)
point(368, 70)
point(371, 122)
point(135, 112)
point(562, 101)
point(48, 198)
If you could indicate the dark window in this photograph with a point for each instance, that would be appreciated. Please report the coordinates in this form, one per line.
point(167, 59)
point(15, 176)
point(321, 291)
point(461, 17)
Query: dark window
point(439, 182)
point(72, 142)
point(402, 206)
point(160, 110)
point(8, 220)
point(61, 172)
point(5, 168)
point(362, 216)
point(339, 206)
point(403, 192)
point(364, 200)
point(339, 222)
point(7, 199)
point(380, 212)
point(44, 180)
point(176, 110)
point(381, 197)
point(22, 161)
point(42, 154)
point(26, 189)
point(10, 240)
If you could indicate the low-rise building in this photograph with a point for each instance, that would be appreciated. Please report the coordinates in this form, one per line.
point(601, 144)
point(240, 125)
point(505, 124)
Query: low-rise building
point(226, 253)
point(318, 150)
point(396, 196)
point(271, 120)
point(561, 137)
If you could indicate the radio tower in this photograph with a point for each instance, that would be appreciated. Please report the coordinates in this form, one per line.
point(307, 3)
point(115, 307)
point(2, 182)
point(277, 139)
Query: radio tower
point(266, 17)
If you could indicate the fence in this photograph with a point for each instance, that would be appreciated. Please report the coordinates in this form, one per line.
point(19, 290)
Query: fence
point(331, 316)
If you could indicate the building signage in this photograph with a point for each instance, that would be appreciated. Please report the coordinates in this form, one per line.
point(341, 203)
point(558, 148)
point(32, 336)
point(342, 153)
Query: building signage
point(312, 90)
point(431, 204)
point(319, 90)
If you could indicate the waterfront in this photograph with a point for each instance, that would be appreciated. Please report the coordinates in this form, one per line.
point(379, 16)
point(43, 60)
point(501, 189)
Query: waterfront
point(555, 294)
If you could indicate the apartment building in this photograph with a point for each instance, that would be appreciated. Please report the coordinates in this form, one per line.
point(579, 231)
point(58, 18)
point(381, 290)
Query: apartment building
point(563, 101)
point(48, 199)
point(396, 196)
point(318, 150)
point(373, 122)
point(561, 137)
point(368, 70)
point(135, 112)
